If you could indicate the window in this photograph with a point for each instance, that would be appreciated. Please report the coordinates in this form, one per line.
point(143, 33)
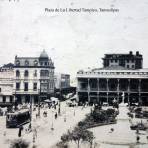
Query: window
point(0, 89)
point(35, 73)
point(26, 86)
point(17, 73)
point(34, 86)
point(127, 66)
point(17, 86)
point(11, 99)
point(26, 63)
point(17, 63)
point(26, 73)
point(116, 61)
point(127, 61)
point(133, 66)
point(4, 99)
point(44, 73)
point(35, 63)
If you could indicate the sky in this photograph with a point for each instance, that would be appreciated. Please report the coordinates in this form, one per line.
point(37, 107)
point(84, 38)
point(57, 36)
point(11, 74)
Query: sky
point(73, 40)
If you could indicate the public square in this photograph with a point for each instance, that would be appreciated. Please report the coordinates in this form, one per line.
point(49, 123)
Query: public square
point(46, 136)
point(50, 130)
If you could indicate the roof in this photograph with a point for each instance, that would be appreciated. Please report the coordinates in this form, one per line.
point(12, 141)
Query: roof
point(44, 54)
point(113, 67)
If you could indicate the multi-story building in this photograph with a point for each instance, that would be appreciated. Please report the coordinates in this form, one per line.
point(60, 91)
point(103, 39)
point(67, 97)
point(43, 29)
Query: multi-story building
point(6, 86)
point(113, 82)
point(62, 81)
point(34, 78)
point(125, 60)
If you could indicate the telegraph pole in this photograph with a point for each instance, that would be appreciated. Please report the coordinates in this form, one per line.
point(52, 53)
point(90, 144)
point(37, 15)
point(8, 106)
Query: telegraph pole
point(30, 111)
point(39, 99)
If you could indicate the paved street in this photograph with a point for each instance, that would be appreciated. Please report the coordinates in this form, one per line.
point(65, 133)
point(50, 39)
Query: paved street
point(45, 136)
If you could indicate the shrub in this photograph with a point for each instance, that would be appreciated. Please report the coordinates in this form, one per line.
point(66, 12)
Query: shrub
point(19, 143)
point(62, 145)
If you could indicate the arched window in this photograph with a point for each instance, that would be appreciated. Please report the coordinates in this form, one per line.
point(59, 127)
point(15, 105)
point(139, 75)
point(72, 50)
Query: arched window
point(35, 73)
point(26, 73)
point(26, 63)
point(44, 73)
point(17, 73)
point(17, 63)
point(35, 63)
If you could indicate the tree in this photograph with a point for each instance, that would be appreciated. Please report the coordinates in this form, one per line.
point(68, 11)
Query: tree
point(19, 143)
point(78, 135)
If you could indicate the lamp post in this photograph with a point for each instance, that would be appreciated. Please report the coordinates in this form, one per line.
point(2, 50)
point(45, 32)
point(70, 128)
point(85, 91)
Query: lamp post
point(30, 111)
point(52, 128)
point(39, 102)
point(15, 102)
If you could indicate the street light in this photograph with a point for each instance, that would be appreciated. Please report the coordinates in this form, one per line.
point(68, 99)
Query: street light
point(39, 102)
point(30, 111)
point(52, 128)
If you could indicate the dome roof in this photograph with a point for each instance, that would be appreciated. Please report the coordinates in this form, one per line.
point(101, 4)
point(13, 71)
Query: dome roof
point(44, 54)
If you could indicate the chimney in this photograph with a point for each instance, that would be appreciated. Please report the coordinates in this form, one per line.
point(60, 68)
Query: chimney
point(137, 53)
point(130, 52)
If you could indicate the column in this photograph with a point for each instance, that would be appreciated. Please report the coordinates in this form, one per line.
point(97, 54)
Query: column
point(88, 91)
point(107, 85)
point(139, 90)
point(98, 85)
point(128, 85)
point(77, 94)
point(88, 98)
point(128, 99)
point(98, 91)
point(107, 91)
point(88, 84)
point(129, 91)
point(118, 90)
point(107, 99)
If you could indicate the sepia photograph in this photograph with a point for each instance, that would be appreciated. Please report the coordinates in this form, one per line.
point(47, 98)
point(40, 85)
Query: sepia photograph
point(73, 74)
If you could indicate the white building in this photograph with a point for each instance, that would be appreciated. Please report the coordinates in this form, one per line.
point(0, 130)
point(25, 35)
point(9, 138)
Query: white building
point(33, 78)
point(6, 87)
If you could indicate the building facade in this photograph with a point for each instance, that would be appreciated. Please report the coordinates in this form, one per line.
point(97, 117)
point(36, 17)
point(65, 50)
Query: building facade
point(113, 82)
point(62, 81)
point(129, 61)
point(6, 87)
point(33, 78)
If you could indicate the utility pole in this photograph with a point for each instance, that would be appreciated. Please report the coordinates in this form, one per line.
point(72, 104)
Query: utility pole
point(30, 111)
point(39, 101)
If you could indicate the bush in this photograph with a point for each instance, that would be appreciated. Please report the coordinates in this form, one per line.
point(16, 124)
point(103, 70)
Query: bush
point(19, 143)
point(62, 145)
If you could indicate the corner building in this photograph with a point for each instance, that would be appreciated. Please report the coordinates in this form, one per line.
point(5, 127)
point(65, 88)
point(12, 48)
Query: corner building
point(113, 82)
point(34, 78)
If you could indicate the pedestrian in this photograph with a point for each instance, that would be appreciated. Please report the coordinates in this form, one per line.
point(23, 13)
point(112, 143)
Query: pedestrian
point(137, 131)
point(138, 138)
point(147, 138)
point(20, 131)
point(112, 129)
point(55, 115)
point(4, 133)
point(35, 133)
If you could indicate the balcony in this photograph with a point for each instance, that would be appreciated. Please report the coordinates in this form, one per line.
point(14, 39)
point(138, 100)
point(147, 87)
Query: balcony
point(22, 91)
